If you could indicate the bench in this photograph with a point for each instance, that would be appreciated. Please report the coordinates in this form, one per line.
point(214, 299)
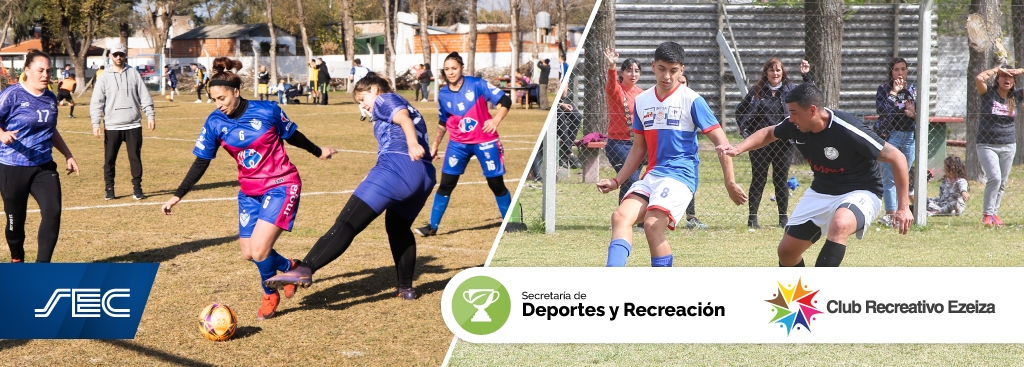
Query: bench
point(591, 153)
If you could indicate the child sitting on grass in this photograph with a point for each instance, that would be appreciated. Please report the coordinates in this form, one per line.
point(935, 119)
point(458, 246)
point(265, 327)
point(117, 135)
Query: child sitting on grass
point(953, 190)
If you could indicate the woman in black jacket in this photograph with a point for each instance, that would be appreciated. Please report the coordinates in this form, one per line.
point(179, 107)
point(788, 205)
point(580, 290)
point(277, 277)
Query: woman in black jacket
point(425, 77)
point(765, 105)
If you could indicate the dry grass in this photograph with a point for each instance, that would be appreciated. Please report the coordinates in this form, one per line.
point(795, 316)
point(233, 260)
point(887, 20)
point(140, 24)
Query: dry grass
point(346, 318)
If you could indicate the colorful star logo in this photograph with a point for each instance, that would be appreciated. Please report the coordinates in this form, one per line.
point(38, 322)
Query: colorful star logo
point(794, 306)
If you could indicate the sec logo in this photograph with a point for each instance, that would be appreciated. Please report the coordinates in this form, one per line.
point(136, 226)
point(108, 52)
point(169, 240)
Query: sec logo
point(249, 158)
point(467, 124)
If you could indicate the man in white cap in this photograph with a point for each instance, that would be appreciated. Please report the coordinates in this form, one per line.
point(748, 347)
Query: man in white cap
point(119, 100)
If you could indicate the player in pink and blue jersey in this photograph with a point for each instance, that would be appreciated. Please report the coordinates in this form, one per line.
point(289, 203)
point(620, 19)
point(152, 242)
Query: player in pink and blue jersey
point(666, 120)
point(473, 132)
point(400, 183)
point(253, 132)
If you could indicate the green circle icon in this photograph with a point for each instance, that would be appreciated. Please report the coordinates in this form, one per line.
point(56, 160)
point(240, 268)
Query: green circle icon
point(481, 305)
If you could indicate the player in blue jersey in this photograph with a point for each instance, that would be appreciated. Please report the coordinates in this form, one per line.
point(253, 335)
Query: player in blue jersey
point(253, 132)
point(28, 120)
point(666, 120)
point(473, 132)
point(400, 184)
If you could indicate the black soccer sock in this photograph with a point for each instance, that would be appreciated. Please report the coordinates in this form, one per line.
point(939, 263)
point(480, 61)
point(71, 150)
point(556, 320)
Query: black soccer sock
point(72, 112)
point(354, 218)
point(831, 254)
point(798, 265)
point(403, 246)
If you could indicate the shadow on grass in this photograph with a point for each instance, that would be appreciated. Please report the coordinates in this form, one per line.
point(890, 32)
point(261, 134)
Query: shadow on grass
point(158, 354)
point(245, 332)
point(477, 228)
point(371, 285)
point(12, 343)
point(162, 254)
point(198, 187)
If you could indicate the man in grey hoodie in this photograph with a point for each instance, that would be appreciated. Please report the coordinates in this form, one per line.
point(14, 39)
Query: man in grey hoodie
point(119, 99)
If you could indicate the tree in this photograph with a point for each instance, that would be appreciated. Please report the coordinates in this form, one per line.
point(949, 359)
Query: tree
point(302, 28)
point(78, 22)
point(982, 57)
point(536, 35)
point(823, 39)
point(348, 29)
point(516, 7)
point(595, 65)
point(158, 21)
point(390, 17)
point(563, 32)
point(471, 56)
point(424, 37)
point(273, 40)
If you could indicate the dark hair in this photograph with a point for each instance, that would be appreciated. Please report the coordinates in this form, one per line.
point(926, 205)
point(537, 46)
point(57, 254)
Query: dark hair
point(372, 80)
point(33, 54)
point(547, 61)
point(102, 67)
point(455, 56)
point(357, 61)
point(222, 71)
point(71, 76)
point(669, 52)
point(426, 66)
point(806, 95)
point(761, 83)
point(626, 64)
point(956, 164)
point(892, 64)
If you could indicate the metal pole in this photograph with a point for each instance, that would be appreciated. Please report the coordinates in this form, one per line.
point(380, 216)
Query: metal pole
point(924, 72)
point(550, 173)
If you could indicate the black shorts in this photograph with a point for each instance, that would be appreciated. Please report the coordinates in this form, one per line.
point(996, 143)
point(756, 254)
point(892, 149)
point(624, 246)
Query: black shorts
point(64, 95)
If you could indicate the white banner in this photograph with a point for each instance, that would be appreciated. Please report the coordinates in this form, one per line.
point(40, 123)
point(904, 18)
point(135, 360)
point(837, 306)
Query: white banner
point(735, 305)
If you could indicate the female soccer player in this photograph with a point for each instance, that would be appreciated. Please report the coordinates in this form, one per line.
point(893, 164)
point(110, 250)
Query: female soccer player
point(252, 132)
point(28, 120)
point(400, 183)
point(473, 132)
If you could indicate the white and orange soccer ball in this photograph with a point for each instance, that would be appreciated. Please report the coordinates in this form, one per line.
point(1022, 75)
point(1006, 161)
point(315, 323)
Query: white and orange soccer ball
point(218, 322)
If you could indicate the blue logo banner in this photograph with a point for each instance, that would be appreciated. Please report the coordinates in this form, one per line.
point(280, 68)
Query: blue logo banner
point(74, 301)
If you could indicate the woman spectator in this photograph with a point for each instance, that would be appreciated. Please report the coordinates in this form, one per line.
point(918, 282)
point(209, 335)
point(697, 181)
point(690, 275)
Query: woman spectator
point(568, 122)
point(425, 77)
point(621, 92)
point(896, 124)
point(996, 136)
point(765, 105)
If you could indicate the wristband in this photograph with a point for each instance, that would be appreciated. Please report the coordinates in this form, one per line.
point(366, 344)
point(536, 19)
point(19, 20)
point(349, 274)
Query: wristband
point(615, 181)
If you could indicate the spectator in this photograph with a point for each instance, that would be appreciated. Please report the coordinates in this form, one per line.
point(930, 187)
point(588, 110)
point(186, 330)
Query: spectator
point(264, 80)
point(996, 135)
point(424, 78)
point(542, 80)
point(896, 123)
point(313, 73)
point(568, 122)
point(564, 67)
point(323, 78)
point(621, 92)
point(200, 81)
point(416, 71)
point(763, 106)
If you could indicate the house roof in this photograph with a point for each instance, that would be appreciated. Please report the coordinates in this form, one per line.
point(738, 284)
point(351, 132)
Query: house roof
point(36, 43)
point(230, 31)
point(429, 27)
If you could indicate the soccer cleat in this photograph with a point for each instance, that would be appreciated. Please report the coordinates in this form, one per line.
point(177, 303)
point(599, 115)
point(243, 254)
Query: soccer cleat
point(17, 261)
point(289, 289)
point(426, 231)
point(694, 223)
point(886, 220)
point(996, 221)
point(110, 194)
point(407, 294)
point(138, 195)
point(300, 276)
point(269, 306)
point(71, 116)
point(988, 220)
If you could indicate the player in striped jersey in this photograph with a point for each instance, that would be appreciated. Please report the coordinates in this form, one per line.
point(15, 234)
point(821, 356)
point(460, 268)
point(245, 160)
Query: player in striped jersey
point(666, 119)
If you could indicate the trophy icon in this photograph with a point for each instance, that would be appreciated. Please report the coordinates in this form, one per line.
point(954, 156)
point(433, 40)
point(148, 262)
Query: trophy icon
point(474, 295)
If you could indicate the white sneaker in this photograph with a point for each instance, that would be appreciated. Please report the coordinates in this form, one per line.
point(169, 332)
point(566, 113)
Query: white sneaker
point(423, 100)
point(209, 101)
point(885, 220)
point(199, 101)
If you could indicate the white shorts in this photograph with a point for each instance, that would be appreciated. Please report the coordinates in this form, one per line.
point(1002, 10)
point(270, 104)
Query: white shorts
point(664, 194)
point(819, 208)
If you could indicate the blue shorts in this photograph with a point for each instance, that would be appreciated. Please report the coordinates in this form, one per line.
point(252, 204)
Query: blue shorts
point(399, 184)
point(490, 154)
point(277, 206)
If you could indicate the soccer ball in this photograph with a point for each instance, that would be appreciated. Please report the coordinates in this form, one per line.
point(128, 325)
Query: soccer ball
point(168, 97)
point(218, 322)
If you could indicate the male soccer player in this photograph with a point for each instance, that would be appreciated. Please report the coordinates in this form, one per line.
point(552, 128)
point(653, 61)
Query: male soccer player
point(666, 119)
point(844, 195)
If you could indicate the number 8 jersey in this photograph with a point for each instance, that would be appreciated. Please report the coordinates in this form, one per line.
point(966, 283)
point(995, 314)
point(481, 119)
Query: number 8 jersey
point(256, 140)
point(463, 112)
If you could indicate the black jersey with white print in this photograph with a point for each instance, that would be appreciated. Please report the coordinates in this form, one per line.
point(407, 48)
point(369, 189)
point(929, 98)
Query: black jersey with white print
point(843, 156)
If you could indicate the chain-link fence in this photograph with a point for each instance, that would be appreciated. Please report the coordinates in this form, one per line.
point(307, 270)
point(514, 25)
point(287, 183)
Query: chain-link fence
point(866, 59)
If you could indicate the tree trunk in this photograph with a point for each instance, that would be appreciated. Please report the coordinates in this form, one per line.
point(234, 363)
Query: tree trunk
point(563, 32)
point(273, 39)
point(159, 23)
point(424, 36)
point(979, 61)
point(471, 55)
point(594, 68)
point(7, 24)
point(302, 29)
point(77, 51)
point(515, 7)
point(536, 33)
point(390, 17)
point(1018, 50)
point(823, 40)
point(348, 28)
point(122, 32)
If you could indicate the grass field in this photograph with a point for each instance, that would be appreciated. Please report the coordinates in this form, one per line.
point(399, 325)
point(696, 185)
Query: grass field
point(346, 318)
point(583, 232)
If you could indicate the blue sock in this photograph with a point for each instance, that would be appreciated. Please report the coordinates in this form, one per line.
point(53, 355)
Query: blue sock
point(440, 205)
point(281, 263)
point(662, 262)
point(618, 251)
point(267, 270)
point(503, 203)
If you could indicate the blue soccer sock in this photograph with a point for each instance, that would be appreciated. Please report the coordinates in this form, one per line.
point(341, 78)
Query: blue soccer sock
point(618, 251)
point(267, 270)
point(281, 263)
point(662, 262)
point(504, 202)
point(437, 211)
